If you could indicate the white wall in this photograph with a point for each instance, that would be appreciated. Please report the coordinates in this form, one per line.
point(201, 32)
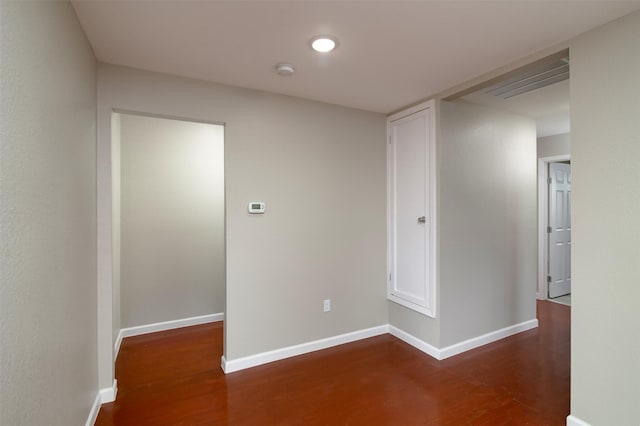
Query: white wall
point(47, 216)
point(487, 220)
point(321, 170)
point(605, 158)
point(172, 216)
point(550, 146)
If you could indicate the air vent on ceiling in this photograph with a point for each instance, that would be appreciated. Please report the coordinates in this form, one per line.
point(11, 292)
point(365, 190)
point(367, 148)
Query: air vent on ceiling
point(531, 79)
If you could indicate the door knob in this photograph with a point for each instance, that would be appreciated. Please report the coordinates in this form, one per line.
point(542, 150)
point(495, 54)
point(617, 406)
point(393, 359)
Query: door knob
point(422, 219)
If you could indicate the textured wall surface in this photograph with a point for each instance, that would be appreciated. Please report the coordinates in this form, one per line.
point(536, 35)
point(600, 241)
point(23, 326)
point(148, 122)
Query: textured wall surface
point(488, 220)
point(48, 337)
point(605, 268)
point(321, 171)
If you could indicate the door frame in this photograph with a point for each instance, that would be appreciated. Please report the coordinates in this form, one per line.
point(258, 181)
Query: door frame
point(542, 292)
point(107, 339)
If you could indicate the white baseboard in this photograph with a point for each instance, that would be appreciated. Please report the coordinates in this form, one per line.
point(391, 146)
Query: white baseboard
point(104, 395)
point(574, 421)
point(95, 409)
point(109, 394)
point(491, 337)
point(415, 342)
point(464, 346)
point(163, 326)
point(230, 366)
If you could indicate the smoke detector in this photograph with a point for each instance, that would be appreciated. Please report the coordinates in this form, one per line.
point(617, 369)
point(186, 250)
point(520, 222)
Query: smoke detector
point(284, 69)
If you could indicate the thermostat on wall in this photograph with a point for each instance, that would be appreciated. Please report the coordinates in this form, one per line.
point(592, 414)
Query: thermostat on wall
point(256, 207)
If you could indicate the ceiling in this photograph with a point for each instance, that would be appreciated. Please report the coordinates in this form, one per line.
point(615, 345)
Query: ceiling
point(390, 54)
point(549, 107)
point(539, 91)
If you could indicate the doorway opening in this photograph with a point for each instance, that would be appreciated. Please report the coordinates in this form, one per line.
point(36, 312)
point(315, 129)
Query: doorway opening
point(539, 91)
point(168, 224)
point(554, 229)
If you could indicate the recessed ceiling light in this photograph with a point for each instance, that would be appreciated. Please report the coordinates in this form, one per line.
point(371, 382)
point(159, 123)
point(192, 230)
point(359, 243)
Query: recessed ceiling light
point(323, 44)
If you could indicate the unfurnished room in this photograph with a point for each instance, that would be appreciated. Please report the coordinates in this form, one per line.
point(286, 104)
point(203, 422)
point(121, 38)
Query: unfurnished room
point(319, 212)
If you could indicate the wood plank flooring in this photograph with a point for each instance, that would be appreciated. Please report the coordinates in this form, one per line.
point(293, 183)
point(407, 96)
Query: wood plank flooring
point(174, 378)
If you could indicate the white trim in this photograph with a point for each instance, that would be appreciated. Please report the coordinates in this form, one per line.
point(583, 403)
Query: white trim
point(430, 312)
point(415, 342)
point(574, 421)
point(116, 346)
point(95, 409)
point(163, 326)
point(428, 305)
point(104, 396)
point(230, 366)
point(109, 394)
point(412, 110)
point(543, 209)
point(491, 337)
point(464, 346)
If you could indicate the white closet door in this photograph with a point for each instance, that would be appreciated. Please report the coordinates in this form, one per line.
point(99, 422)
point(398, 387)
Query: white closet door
point(411, 213)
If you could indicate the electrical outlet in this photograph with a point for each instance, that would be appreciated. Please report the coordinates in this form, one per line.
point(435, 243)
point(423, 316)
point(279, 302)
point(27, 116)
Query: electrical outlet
point(327, 305)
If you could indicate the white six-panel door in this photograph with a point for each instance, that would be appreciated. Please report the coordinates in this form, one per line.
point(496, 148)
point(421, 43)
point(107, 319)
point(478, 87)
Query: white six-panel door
point(560, 229)
point(411, 210)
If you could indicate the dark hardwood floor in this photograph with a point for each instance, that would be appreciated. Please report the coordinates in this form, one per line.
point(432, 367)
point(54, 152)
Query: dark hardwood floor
point(174, 378)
